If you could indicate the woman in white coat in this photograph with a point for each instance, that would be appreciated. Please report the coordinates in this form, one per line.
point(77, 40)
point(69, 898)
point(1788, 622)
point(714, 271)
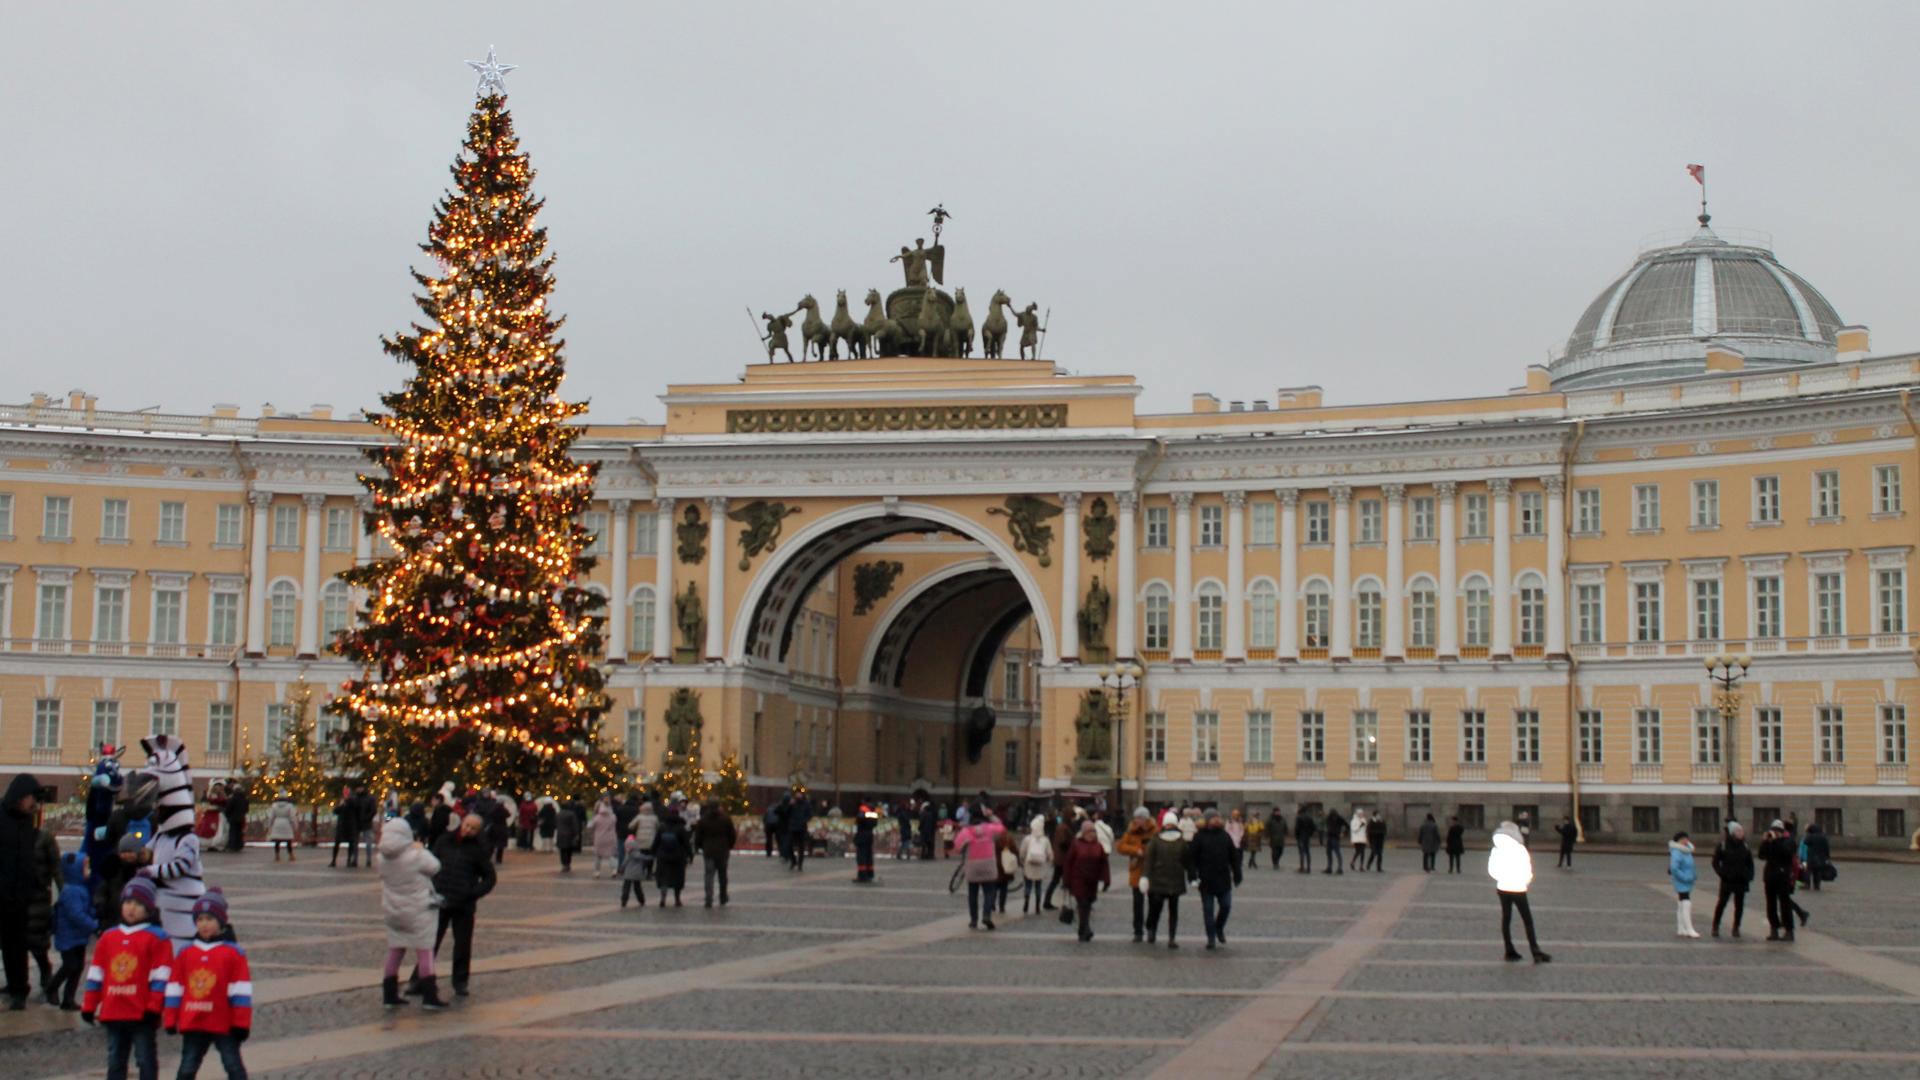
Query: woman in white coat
point(280, 825)
point(1036, 862)
point(1510, 865)
point(407, 901)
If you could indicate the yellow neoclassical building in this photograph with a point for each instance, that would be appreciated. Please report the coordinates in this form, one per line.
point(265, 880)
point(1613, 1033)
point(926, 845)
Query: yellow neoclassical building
point(1472, 606)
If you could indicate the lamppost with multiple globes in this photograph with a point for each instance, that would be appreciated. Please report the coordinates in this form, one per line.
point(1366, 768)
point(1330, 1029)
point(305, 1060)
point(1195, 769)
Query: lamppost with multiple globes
point(1725, 672)
point(1115, 680)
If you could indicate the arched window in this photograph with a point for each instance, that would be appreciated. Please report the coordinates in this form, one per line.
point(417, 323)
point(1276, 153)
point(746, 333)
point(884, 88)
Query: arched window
point(1262, 615)
point(1367, 614)
point(1159, 622)
point(283, 609)
point(1423, 620)
point(334, 600)
point(640, 637)
point(1315, 615)
point(1532, 598)
point(1476, 610)
point(1210, 614)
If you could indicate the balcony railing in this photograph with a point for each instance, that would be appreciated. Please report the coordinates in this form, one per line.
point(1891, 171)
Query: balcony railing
point(1529, 652)
point(1208, 656)
point(1473, 770)
point(1311, 770)
point(1366, 652)
point(1590, 773)
point(44, 755)
point(1647, 773)
point(161, 650)
point(1259, 770)
point(1891, 773)
point(1769, 774)
point(217, 759)
point(1829, 772)
point(1526, 771)
point(1260, 653)
point(1156, 770)
point(1419, 652)
point(1363, 770)
point(1473, 652)
point(1830, 643)
point(1418, 770)
point(1206, 770)
point(1313, 652)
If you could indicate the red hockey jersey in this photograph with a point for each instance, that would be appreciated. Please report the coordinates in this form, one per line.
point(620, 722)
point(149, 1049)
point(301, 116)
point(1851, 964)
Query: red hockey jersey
point(211, 989)
point(128, 976)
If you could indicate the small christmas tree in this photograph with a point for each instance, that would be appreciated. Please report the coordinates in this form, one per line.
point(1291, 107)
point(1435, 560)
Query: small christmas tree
point(730, 787)
point(598, 768)
point(299, 771)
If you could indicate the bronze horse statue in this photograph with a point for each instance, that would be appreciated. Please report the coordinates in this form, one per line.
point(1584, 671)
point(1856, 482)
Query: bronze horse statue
point(843, 328)
point(882, 333)
point(993, 332)
point(814, 335)
point(961, 324)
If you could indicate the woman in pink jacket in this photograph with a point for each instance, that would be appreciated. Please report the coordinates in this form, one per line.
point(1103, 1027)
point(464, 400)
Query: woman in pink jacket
point(980, 858)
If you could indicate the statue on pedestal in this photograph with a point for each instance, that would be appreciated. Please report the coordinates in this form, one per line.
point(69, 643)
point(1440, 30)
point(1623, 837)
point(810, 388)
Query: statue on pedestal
point(691, 617)
point(1093, 623)
point(1093, 759)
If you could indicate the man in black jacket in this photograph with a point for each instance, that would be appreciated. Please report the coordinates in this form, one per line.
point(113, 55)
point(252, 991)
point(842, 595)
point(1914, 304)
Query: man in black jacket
point(1733, 864)
point(18, 835)
point(466, 874)
point(1216, 864)
point(1336, 825)
point(237, 804)
point(1777, 852)
point(346, 828)
point(1304, 828)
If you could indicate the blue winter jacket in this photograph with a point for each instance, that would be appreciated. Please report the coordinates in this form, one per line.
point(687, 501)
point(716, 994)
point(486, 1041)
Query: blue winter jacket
point(1680, 866)
point(73, 914)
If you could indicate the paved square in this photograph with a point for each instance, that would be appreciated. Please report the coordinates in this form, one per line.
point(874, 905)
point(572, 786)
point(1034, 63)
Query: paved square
point(1355, 976)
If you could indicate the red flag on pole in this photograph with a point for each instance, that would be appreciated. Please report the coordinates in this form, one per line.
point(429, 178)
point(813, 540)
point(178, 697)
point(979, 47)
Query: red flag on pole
point(1699, 174)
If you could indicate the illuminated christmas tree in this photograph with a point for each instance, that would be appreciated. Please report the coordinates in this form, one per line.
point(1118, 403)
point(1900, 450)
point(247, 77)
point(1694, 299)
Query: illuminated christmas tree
point(477, 641)
point(298, 770)
point(730, 786)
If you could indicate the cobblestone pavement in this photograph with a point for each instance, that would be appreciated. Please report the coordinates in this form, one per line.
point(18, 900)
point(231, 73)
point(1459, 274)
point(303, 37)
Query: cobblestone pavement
point(1351, 976)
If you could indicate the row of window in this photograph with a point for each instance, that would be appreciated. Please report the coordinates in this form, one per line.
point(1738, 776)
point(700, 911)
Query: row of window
point(1648, 728)
point(1530, 517)
point(170, 523)
point(53, 613)
point(163, 718)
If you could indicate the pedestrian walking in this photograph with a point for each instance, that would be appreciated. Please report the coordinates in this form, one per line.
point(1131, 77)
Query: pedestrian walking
point(1682, 873)
point(346, 828)
point(1733, 865)
point(465, 876)
point(546, 823)
point(1456, 844)
point(1777, 854)
point(605, 829)
point(713, 837)
point(73, 927)
point(280, 821)
point(1237, 832)
point(1007, 851)
point(19, 843)
point(1510, 865)
point(1036, 863)
point(929, 828)
point(1305, 828)
point(800, 831)
point(1087, 875)
point(1568, 834)
point(670, 852)
point(1063, 831)
point(1133, 844)
point(1169, 864)
point(1816, 854)
point(407, 870)
point(903, 820)
point(1216, 868)
point(1275, 834)
point(1254, 839)
point(566, 835)
point(238, 804)
point(1429, 844)
point(1357, 829)
point(1376, 841)
point(46, 881)
point(979, 854)
point(1336, 855)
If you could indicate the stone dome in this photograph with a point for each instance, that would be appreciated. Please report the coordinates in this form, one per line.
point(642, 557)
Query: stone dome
point(1658, 319)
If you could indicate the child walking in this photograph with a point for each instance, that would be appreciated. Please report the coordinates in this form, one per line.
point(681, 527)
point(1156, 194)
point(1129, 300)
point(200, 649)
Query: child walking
point(1682, 873)
point(73, 926)
point(210, 993)
point(127, 982)
point(633, 868)
point(407, 907)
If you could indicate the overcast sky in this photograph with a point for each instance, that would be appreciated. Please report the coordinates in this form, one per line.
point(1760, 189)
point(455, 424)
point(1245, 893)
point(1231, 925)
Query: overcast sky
point(220, 202)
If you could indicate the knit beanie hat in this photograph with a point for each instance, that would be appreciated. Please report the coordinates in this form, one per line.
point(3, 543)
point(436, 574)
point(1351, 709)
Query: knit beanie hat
point(1142, 812)
point(1169, 820)
point(141, 888)
point(214, 903)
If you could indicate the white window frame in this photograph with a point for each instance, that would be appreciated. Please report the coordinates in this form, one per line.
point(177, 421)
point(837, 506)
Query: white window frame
point(1767, 596)
point(1313, 737)
point(1829, 735)
point(1366, 737)
point(1419, 747)
point(1646, 508)
point(1262, 522)
point(283, 618)
point(56, 517)
point(1766, 500)
point(1706, 504)
point(1890, 600)
point(1154, 728)
point(1826, 495)
point(163, 718)
point(1709, 746)
point(1590, 733)
point(1420, 518)
point(1647, 737)
point(1316, 614)
point(1887, 495)
point(229, 525)
point(1526, 736)
point(223, 626)
point(1769, 735)
point(284, 530)
point(1473, 736)
point(168, 617)
point(1531, 600)
point(1206, 737)
point(1829, 588)
point(337, 533)
point(1154, 534)
point(1586, 511)
point(1263, 615)
point(1369, 517)
point(1156, 614)
point(1649, 611)
point(1318, 520)
point(106, 727)
point(1369, 616)
point(47, 723)
point(110, 605)
point(220, 724)
point(336, 609)
point(170, 526)
point(1212, 521)
point(1423, 615)
point(1893, 733)
point(1210, 616)
point(116, 517)
point(1590, 610)
point(1473, 519)
point(1532, 516)
point(646, 532)
point(1709, 609)
point(1476, 612)
point(1259, 737)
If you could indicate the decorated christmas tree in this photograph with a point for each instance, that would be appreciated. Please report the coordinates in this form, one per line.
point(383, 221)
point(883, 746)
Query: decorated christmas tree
point(599, 768)
point(477, 641)
point(730, 786)
point(299, 770)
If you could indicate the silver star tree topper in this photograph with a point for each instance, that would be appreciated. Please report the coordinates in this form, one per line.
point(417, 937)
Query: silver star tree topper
point(493, 74)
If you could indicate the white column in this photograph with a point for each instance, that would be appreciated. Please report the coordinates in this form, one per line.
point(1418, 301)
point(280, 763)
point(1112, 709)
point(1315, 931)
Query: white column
point(1394, 647)
point(663, 582)
point(1556, 565)
point(1070, 576)
point(716, 577)
point(1236, 575)
point(1500, 491)
point(1341, 647)
point(1287, 616)
point(1125, 588)
point(1449, 613)
point(1182, 576)
point(310, 578)
point(362, 542)
point(617, 609)
point(257, 575)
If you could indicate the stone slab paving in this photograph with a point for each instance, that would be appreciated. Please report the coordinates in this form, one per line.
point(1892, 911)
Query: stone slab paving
point(1350, 976)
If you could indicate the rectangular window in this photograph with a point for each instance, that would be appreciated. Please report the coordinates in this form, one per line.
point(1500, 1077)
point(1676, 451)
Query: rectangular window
point(1423, 621)
point(636, 733)
point(169, 612)
point(1366, 736)
point(1706, 609)
point(1646, 819)
point(173, 523)
point(1156, 738)
point(1586, 510)
point(1590, 607)
point(1533, 513)
point(1210, 614)
point(1420, 736)
point(46, 724)
point(1590, 732)
point(1010, 680)
point(1367, 618)
point(1893, 734)
point(1212, 526)
point(286, 526)
point(646, 532)
point(1646, 611)
point(1206, 738)
point(110, 614)
point(1369, 521)
point(1770, 737)
point(339, 532)
point(279, 718)
point(1646, 507)
point(1262, 617)
point(1706, 820)
point(1473, 737)
point(1533, 615)
point(1011, 760)
point(1766, 499)
point(1315, 614)
point(1890, 823)
point(1829, 606)
point(1706, 504)
point(1646, 736)
point(1830, 819)
point(1261, 515)
point(1313, 736)
point(1890, 601)
point(1473, 816)
point(1319, 522)
point(1475, 519)
point(1826, 494)
point(113, 519)
point(56, 522)
point(1260, 737)
point(1158, 621)
point(1477, 612)
point(1830, 735)
point(1156, 531)
point(1526, 736)
point(163, 718)
point(1886, 489)
point(1423, 526)
point(229, 524)
point(223, 626)
point(1706, 736)
point(1767, 614)
point(6, 515)
point(595, 522)
point(106, 723)
point(52, 621)
point(220, 728)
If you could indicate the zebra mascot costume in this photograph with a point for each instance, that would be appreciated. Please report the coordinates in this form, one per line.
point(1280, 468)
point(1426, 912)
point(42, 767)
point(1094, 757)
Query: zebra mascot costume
point(175, 850)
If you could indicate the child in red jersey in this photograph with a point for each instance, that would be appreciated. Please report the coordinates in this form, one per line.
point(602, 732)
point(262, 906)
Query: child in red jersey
point(127, 982)
point(210, 996)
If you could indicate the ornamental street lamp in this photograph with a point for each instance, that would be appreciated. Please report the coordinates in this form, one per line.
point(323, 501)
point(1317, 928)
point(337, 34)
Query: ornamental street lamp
point(1115, 680)
point(1725, 672)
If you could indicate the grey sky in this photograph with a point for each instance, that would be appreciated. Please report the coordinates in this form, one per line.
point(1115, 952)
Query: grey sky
point(219, 202)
